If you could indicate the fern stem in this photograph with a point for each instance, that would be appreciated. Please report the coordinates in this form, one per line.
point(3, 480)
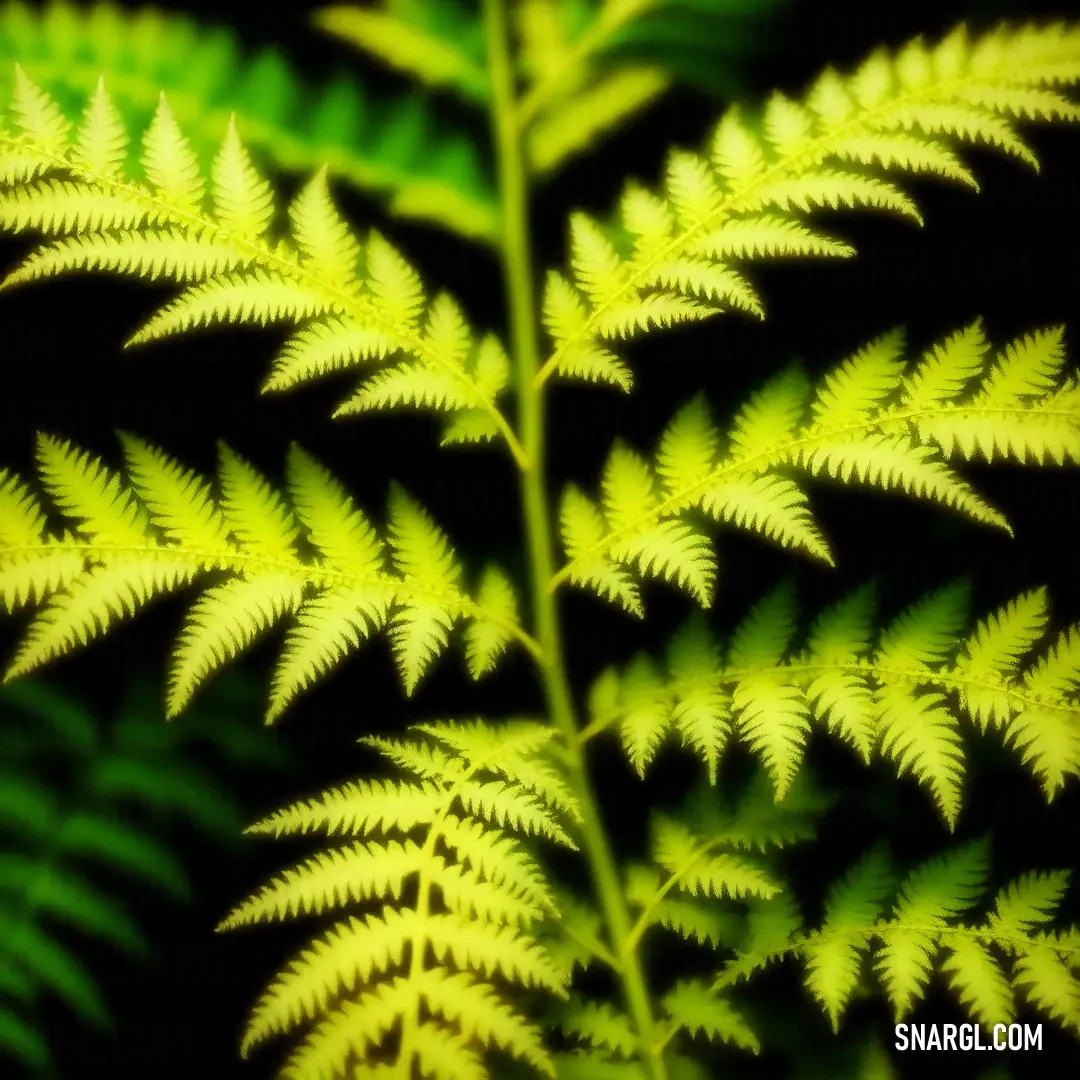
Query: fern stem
point(517, 261)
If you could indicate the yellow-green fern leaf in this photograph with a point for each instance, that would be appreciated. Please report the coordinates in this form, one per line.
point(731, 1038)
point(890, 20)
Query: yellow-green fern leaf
point(243, 200)
point(940, 888)
point(102, 140)
point(976, 977)
point(1048, 982)
point(583, 531)
point(687, 449)
point(990, 964)
point(344, 302)
point(474, 1006)
point(692, 1006)
point(85, 490)
point(171, 165)
point(401, 151)
point(372, 806)
point(769, 419)
point(1048, 742)
point(871, 421)
point(834, 953)
point(921, 737)
point(421, 553)
point(646, 712)
point(906, 694)
point(127, 542)
point(945, 370)
point(701, 714)
point(773, 506)
point(573, 125)
point(323, 237)
point(337, 876)
point(459, 901)
point(863, 382)
point(843, 145)
point(38, 115)
point(486, 639)
point(696, 866)
point(599, 1024)
point(994, 650)
point(1022, 409)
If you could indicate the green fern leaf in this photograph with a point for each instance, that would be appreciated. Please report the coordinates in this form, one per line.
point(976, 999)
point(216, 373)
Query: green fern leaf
point(996, 647)
point(646, 712)
point(391, 150)
point(769, 930)
point(589, 67)
point(694, 919)
point(700, 717)
point(57, 842)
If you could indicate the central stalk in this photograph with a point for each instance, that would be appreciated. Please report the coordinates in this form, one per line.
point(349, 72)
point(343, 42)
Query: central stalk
point(517, 268)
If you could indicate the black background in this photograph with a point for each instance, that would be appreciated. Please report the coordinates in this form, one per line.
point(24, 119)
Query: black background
point(1011, 254)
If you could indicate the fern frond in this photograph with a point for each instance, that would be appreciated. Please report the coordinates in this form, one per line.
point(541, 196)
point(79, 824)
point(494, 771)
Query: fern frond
point(990, 964)
point(708, 857)
point(866, 422)
point(598, 1024)
point(693, 867)
point(128, 544)
point(696, 919)
point(62, 844)
point(692, 1006)
point(903, 691)
point(346, 303)
point(402, 152)
point(477, 895)
point(770, 928)
point(840, 146)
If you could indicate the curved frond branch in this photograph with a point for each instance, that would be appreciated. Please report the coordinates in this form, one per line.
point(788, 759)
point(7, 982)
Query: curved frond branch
point(348, 304)
point(874, 420)
point(903, 692)
point(458, 910)
point(164, 528)
point(750, 193)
